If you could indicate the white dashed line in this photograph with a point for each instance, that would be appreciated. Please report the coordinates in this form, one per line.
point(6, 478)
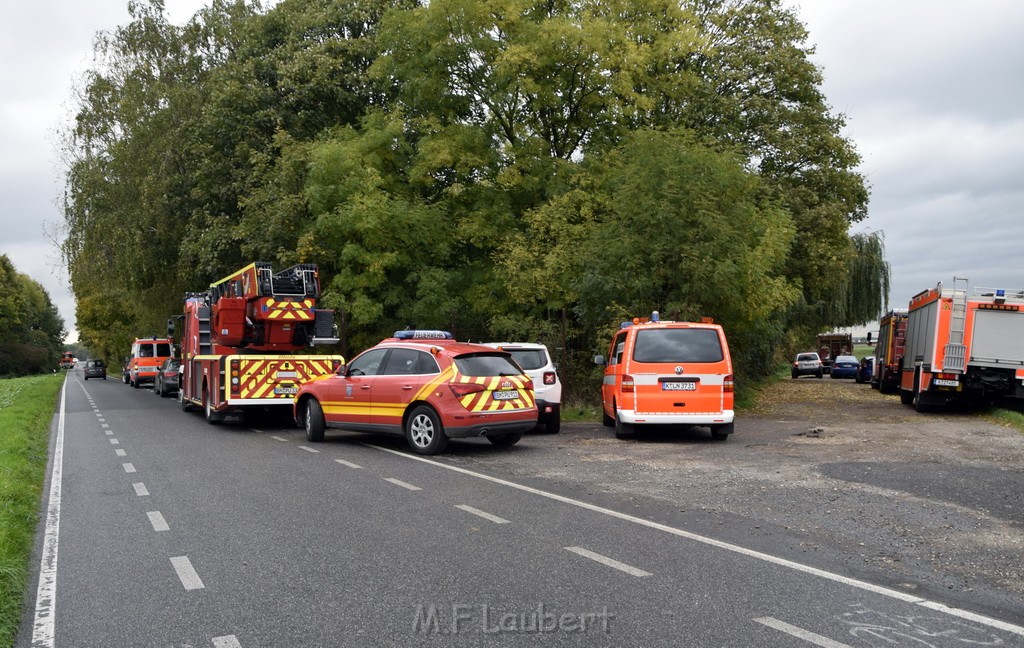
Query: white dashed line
point(140, 489)
point(800, 633)
point(120, 453)
point(128, 468)
point(158, 521)
point(308, 449)
point(103, 420)
point(187, 573)
point(228, 641)
point(277, 438)
point(348, 463)
point(109, 433)
point(114, 442)
point(104, 425)
point(605, 560)
point(398, 482)
point(483, 514)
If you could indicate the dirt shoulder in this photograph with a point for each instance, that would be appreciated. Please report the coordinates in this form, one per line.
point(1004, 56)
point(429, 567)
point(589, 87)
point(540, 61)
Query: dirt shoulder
point(827, 472)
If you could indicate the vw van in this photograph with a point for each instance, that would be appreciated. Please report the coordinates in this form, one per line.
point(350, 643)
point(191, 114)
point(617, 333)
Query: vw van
point(147, 356)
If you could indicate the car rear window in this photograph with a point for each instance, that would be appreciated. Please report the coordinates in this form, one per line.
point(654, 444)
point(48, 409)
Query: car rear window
point(486, 364)
point(530, 359)
point(806, 357)
point(162, 350)
point(678, 345)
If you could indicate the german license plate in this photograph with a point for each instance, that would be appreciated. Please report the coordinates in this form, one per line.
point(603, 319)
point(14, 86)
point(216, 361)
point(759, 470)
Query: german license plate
point(679, 386)
point(939, 382)
point(506, 395)
point(286, 391)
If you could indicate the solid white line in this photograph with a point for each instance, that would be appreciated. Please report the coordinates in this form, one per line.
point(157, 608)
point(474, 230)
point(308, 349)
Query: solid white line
point(605, 560)
point(128, 468)
point(114, 442)
point(277, 438)
point(228, 641)
point(483, 514)
point(46, 593)
point(348, 463)
point(158, 521)
point(186, 573)
point(140, 489)
point(398, 482)
point(120, 453)
point(775, 560)
point(800, 633)
point(308, 449)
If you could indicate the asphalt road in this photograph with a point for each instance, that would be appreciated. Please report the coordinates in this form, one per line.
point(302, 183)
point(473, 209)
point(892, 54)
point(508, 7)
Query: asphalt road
point(173, 532)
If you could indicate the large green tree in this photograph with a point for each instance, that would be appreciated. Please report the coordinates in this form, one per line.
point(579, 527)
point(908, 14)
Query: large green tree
point(31, 329)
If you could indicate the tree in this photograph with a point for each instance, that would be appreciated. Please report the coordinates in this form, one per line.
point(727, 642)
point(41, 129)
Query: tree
point(31, 330)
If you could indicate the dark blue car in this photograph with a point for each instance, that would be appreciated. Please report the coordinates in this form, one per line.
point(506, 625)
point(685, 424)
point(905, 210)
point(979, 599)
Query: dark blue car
point(845, 366)
point(867, 367)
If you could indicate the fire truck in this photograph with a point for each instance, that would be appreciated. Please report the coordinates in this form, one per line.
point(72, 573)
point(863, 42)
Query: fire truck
point(67, 360)
point(242, 341)
point(892, 335)
point(963, 347)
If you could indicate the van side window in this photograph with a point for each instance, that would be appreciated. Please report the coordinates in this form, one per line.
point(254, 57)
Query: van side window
point(620, 346)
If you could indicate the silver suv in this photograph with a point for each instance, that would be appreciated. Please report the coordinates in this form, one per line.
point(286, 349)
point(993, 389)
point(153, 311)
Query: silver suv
point(807, 364)
point(536, 362)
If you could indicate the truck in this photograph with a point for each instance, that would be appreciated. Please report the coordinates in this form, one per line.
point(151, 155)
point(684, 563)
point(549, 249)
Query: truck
point(892, 335)
point(243, 341)
point(67, 360)
point(832, 345)
point(963, 347)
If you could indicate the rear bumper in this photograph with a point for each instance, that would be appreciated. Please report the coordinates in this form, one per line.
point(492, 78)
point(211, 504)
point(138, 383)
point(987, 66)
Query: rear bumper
point(489, 428)
point(704, 418)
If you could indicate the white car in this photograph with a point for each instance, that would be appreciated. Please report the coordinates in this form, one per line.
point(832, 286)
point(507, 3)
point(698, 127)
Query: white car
point(536, 362)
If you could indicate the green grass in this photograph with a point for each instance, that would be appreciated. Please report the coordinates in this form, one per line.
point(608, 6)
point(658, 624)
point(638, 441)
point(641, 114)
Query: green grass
point(1008, 418)
point(26, 408)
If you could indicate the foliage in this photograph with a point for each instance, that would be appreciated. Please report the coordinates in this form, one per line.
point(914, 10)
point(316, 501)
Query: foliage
point(31, 330)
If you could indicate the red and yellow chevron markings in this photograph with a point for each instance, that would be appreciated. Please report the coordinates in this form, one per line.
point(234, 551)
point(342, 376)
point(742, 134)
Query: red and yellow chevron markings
point(483, 400)
point(258, 377)
point(289, 309)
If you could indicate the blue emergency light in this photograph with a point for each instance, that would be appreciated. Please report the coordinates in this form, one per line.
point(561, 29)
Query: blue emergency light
point(424, 335)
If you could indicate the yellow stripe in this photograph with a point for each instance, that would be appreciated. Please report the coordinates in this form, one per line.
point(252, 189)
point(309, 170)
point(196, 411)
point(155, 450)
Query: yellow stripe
point(234, 274)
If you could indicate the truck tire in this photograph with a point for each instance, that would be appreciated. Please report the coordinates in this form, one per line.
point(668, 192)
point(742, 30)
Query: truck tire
point(424, 432)
point(212, 417)
point(186, 405)
point(314, 421)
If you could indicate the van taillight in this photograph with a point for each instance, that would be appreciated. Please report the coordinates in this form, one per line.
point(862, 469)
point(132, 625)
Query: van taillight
point(727, 386)
point(627, 384)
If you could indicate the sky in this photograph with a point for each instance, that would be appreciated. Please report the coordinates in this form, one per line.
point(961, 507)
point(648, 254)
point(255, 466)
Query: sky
point(933, 95)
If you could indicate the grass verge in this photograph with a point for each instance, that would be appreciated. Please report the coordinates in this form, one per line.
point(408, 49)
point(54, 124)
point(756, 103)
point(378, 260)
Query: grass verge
point(26, 408)
point(1007, 418)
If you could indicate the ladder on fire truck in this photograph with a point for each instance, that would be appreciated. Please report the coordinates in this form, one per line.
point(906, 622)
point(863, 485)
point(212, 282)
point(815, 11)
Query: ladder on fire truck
point(956, 352)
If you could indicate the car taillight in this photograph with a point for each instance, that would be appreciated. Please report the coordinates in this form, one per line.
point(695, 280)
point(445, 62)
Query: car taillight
point(528, 384)
point(465, 389)
point(549, 377)
point(796, 364)
point(727, 385)
point(627, 385)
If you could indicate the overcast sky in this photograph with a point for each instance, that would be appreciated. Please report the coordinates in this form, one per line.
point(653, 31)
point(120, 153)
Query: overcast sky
point(933, 93)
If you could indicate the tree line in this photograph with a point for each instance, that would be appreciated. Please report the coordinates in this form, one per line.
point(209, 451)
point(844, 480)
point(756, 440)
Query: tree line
point(31, 329)
point(510, 169)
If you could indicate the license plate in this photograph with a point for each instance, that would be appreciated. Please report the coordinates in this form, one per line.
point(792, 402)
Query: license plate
point(945, 383)
point(505, 395)
point(287, 374)
point(286, 391)
point(679, 386)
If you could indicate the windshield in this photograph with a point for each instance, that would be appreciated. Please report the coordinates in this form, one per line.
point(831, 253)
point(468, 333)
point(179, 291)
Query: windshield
point(486, 364)
point(678, 345)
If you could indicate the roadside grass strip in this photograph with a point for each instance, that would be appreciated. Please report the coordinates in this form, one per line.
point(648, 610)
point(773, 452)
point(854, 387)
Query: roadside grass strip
point(26, 409)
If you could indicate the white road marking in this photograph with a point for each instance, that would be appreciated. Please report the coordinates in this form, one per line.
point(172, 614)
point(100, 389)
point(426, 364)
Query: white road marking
point(114, 442)
point(128, 468)
point(109, 433)
point(104, 425)
point(120, 453)
point(308, 449)
point(187, 573)
point(800, 633)
point(399, 482)
point(348, 463)
point(158, 521)
point(140, 489)
point(277, 438)
point(775, 560)
point(46, 592)
point(103, 421)
point(605, 560)
point(228, 641)
point(483, 514)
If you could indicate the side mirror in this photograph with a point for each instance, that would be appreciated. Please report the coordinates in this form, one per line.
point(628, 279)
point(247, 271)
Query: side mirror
point(342, 368)
point(599, 360)
point(869, 337)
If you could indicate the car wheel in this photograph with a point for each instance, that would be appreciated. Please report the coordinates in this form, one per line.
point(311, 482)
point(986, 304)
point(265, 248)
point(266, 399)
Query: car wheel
point(505, 440)
point(553, 424)
point(424, 432)
point(623, 430)
point(820, 375)
point(721, 432)
point(795, 375)
point(212, 416)
point(314, 421)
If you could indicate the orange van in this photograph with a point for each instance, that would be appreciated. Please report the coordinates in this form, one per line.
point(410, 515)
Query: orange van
point(147, 356)
point(668, 373)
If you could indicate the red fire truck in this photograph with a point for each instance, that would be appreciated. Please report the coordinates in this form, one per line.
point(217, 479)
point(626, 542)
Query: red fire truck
point(892, 336)
point(963, 347)
point(242, 340)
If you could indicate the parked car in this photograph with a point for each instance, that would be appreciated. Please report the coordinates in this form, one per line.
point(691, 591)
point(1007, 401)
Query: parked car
point(166, 381)
point(547, 388)
point(126, 370)
point(427, 386)
point(845, 366)
point(867, 368)
point(807, 364)
point(95, 369)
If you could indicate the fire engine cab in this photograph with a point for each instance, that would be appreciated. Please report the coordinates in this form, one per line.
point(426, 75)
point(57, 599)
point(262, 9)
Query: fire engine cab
point(963, 347)
point(242, 340)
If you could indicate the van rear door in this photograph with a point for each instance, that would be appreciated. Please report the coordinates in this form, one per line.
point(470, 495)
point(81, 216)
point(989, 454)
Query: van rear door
point(679, 370)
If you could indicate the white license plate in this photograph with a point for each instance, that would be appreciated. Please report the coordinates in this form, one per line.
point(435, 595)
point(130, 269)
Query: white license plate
point(679, 386)
point(945, 383)
point(286, 391)
point(505, 395)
